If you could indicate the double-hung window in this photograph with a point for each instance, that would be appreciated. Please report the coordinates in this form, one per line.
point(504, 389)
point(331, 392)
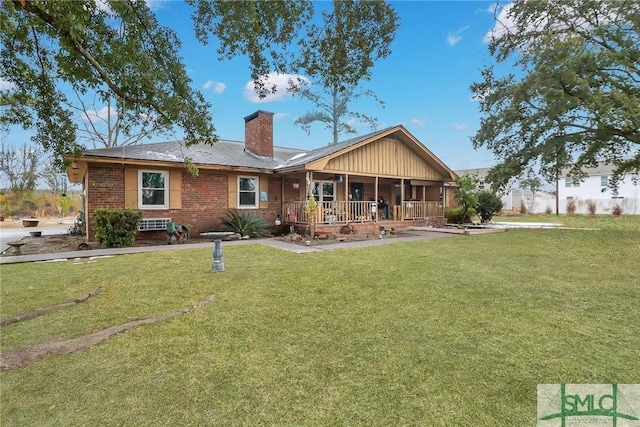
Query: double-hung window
point(572, 182)
point(324, 191)
point(154, 189)
point(604, 181)
point(248, 192)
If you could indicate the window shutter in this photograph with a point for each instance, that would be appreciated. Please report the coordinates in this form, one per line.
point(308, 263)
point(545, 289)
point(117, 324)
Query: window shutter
point(131, 188)
point(263, 185)
point(175, 189)
point(233, 191)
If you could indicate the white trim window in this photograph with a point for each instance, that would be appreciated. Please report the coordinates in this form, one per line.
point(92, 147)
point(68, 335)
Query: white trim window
point(328, 193)
point(248, 192)
point(571, 182)
point(153, 189)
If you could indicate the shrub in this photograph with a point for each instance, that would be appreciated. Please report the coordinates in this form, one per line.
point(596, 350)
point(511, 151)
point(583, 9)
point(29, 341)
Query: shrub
point(617, 210)
point(457, 216)
point(488, 205)
point(466, 196)
point(548, 211)
point(571, 207)
point(116, 227)
point(245, 223)
point(591, 207)
point(523, 207)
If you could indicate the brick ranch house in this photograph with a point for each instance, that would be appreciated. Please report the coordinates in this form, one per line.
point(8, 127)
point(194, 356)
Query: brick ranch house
point(386, 177)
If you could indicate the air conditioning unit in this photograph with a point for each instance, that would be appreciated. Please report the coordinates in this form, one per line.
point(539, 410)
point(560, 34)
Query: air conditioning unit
point(153, 224)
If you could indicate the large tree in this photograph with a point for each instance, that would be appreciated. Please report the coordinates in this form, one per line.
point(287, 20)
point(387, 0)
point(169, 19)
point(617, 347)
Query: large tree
point(264, 31)
point(20, 166)
point(574, 100)
point(112, 48)
point(116, 49)
point(109, 127)
point(337, 56)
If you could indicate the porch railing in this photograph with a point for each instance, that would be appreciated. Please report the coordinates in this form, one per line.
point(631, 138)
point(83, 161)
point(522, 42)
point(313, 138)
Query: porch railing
point(343, 212)
point(421, 210)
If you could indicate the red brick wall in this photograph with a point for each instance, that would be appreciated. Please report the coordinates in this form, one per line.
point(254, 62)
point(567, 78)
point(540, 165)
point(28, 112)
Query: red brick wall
point(204, 199)
point(258, 133)
point(105, 189)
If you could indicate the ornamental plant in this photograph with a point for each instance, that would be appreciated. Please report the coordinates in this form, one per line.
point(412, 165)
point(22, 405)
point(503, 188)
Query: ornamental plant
point(488, 205)
point(245, 223)
point(116, 227)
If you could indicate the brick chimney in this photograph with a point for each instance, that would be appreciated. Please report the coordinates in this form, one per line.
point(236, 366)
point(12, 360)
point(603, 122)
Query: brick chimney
point(258, 133)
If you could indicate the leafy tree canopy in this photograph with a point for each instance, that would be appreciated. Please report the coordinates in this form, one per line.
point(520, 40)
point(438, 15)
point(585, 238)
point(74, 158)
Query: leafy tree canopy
point(578, 100)
point(117, 50)
point(265, 31)
point(113, 48)
point(337, 56)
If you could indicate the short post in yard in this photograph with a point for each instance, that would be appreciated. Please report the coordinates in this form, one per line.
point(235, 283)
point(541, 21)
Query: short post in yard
point(218, 264)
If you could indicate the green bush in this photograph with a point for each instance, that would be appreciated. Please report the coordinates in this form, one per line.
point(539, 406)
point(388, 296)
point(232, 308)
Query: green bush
point(116, 227)
point(457, 216)
point(246, 223)
point(488, 205)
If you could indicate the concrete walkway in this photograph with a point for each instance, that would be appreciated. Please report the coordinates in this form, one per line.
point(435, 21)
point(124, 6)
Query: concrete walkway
point(413, 235)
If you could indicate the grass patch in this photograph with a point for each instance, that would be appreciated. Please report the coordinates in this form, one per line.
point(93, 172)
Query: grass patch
point(449, 332)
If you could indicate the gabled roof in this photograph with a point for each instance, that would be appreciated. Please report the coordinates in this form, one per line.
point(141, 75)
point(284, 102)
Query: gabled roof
point(232, 154)
point(319, 153)
point(397, 132)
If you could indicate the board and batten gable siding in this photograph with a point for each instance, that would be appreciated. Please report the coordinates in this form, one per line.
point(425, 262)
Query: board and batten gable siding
point(131, 188)
point(385, 157)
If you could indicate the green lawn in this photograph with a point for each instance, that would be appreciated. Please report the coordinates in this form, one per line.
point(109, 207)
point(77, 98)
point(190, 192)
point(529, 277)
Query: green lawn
point(448, 332)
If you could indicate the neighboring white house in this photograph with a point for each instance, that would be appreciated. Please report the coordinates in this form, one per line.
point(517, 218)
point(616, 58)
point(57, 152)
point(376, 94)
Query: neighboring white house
point(512, 198)
point(595, 188)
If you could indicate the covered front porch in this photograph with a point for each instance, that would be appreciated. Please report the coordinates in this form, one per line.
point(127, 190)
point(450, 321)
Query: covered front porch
point(343, 212)
point(370, 201)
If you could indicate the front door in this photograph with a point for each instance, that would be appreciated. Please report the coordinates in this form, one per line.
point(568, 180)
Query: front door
point(356, 191)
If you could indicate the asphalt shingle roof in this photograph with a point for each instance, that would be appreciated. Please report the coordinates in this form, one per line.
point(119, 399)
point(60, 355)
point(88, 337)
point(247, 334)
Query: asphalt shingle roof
point(224, 153)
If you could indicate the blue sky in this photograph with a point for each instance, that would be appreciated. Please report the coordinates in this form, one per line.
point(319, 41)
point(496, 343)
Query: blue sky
point(439, 50)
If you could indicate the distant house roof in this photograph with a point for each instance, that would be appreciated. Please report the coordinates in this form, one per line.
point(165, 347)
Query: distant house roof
point(478, 172)
point(601, 169)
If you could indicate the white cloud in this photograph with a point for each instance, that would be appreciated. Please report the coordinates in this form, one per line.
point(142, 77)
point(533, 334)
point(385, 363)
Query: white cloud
point(505, 23)
point(502, 25)
point(418, 122)
point(102, 5)
point(455, 36)
point(218, 87)
point(460, 127)
point(281, 83)
point(155, 4)
point(95, 116)
point(280, 116)
point(6, 85)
